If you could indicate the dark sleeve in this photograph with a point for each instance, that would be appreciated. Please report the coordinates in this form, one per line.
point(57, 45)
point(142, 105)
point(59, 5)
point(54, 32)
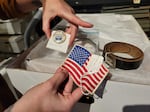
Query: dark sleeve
point(9, 10)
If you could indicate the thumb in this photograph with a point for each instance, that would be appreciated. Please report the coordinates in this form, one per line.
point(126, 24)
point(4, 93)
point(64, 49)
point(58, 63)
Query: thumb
point(59, 77)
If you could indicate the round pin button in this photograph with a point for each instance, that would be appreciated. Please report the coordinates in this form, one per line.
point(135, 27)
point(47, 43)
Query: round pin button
point(59, 37)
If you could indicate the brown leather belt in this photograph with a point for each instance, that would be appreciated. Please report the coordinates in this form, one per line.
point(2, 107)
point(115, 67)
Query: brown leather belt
point(122, 55)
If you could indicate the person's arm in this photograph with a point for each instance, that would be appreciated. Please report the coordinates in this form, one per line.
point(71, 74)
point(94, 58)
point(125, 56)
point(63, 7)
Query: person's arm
point(53, 95)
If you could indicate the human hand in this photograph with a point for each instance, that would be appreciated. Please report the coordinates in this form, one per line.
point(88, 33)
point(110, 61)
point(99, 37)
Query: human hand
point(53, 8)
point(49, 97)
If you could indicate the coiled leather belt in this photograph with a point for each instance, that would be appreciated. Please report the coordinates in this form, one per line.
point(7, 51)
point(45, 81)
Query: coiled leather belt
point(122, 55)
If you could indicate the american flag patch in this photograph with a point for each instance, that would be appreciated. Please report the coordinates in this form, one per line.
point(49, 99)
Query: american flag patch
point(91, 81)
point(76, 64)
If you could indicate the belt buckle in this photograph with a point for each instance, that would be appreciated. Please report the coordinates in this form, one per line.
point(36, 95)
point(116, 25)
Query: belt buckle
point(109, 61)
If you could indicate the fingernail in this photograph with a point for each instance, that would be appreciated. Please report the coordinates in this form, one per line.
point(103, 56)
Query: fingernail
point(63, 70)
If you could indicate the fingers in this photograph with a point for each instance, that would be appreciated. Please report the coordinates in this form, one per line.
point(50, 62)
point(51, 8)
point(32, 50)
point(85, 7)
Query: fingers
point(46, 28)
point(72, 30)
point(72, 18)
point(58, 78)
point(75, 22)
point(46, 20)
point(63, 10)
point(76, 95)
point(68, 87)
